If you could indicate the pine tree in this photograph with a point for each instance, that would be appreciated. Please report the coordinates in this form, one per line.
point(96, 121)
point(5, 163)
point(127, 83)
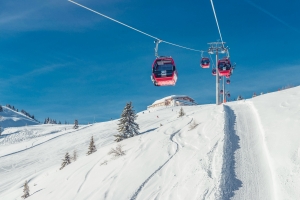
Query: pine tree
point(25, 190)
point(92, 147)
point(119, 137)
point(76, 124)
point(181, 112)
point(66, 161)
point(74, 155)
point(127, 126)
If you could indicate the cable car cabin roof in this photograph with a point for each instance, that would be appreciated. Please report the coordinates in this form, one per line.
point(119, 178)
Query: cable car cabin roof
point(224, 60)
point(163, 61)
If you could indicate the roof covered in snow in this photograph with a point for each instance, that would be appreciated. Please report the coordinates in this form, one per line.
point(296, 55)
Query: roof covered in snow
point(168, 97)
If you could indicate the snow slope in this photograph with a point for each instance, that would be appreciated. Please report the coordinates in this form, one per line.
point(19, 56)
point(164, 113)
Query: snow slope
point(11, 118)
point(242, 150)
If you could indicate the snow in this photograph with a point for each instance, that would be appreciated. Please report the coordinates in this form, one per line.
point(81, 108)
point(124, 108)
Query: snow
point(247, 149)
point(11, 118)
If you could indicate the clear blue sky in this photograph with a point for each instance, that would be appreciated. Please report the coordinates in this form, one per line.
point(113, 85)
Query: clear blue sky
point(61, 61)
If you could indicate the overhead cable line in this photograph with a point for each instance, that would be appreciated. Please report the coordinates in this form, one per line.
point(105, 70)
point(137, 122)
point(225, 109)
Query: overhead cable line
point(213, 7)
point(156, 38)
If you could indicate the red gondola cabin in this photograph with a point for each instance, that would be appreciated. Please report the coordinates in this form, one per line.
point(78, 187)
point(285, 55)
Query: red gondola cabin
point(164, 72)
point(205, 62)
point(224, 67)
point(213, 72)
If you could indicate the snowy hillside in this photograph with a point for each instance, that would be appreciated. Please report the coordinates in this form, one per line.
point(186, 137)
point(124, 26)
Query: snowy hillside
point(241, 150)
point(11, 118)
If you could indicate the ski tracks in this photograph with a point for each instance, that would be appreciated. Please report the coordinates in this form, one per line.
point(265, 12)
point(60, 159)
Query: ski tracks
point(135, 195)
point(247, 171)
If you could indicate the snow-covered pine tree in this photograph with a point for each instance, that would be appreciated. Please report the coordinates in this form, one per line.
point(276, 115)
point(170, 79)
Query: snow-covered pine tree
point(25, 190)
point(92, 147)
point(181, 112)
point(119, 137)
point(76, 124)
point(66, 161)
point(127, 126)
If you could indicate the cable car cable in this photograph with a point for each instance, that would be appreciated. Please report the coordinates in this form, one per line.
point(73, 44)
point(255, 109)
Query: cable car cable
point(213, 7)
point(134, 28)
point(212, 60)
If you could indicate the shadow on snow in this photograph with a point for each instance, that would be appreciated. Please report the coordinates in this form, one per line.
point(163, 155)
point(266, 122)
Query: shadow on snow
point(229, 182)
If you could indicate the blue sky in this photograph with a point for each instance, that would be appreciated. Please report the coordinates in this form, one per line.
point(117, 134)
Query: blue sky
point(61, 61)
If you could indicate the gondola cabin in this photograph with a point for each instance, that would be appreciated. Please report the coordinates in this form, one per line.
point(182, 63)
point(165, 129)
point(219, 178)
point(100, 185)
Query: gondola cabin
point(204, 63)
point(164, 72)
point(224, 67)
point(213, 72)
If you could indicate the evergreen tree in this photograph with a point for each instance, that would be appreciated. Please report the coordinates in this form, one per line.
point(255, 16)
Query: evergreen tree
point(76, 124)
point(119, 137)
point(92, 147)
point(66, 161)
point(181, 112)
point(25, 190)
point(127, 126)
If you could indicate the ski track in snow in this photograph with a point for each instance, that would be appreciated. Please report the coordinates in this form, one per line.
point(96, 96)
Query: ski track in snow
point(266, 149)
point(155, 172)
point(247, 172)
point(86, 176)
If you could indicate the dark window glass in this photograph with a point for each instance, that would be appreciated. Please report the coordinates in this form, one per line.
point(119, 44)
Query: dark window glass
point(164, 67)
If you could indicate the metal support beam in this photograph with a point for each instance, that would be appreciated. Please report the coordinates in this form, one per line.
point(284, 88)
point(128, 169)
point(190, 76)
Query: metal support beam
point(217, 81)
point(223, 89)
point(217, 47)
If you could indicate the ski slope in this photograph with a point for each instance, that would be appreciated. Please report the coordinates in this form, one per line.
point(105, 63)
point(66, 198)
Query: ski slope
point(241, 150)
point(11, 118)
